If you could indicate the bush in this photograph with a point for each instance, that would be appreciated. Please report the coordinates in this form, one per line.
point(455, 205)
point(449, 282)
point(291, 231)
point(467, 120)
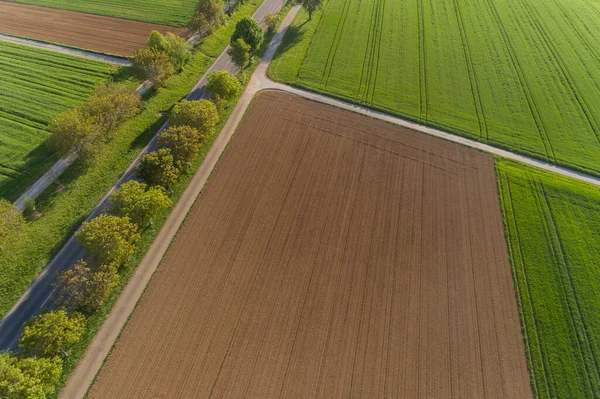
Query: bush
point(28, 207)
point(270, 20)
point(155, 66)
point(158, 168)
point(208, 17)
point(51, 334)
point(183, 142)
point(223, 86)
point(240, 53)
point(139, 202)
point(201, 115)
point(28, 378)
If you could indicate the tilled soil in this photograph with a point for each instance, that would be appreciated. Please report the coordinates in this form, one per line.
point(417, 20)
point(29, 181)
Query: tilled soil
point(330, 255)
point(76, 29)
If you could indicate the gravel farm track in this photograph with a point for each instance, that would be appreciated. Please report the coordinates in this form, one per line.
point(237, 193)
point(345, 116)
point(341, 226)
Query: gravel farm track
point(330, 255)
point(75, 29)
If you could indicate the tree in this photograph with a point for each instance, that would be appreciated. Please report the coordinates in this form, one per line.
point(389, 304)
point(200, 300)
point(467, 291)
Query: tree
point(28, 378)
point(81, 286)
point(240, 53)
point(184, 143)
point(179, 50)
point(200, 114)
point(74, 130)
point(158, 168)
point(270, 20)
point(139, 202)
point(111, 105)
point(311, 6)
point(223, 86)
point(12, 226)
point(157, 42)
point(249, 30)
point(108, 239)
point(208, 17)
point(155, 66)
point(51, 334)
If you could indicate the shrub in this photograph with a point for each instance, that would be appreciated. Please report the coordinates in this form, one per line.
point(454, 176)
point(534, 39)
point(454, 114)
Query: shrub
point(158, 168)
point(139, 202)
point(249, 30)
point(201, 115)
point(51, 334)
point(155, 66)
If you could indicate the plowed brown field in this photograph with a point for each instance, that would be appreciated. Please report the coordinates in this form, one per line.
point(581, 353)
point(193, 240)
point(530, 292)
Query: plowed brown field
point(330, 255)
point(76, 29)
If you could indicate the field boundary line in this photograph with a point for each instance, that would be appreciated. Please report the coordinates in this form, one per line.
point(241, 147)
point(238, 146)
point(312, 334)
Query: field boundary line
point(110, 59)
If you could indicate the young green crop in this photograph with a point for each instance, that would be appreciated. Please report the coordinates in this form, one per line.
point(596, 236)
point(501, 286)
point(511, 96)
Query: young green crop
point(553, 232)
point(518, 74)
point(36, 86)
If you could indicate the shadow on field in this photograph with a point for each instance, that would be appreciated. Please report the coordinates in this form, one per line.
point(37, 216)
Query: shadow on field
point(292, 37)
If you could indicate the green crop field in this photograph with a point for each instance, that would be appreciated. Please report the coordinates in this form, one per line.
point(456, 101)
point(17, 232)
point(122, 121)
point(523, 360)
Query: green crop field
point(553, 230)
point(35, 86)
point(519, 74)
point(164, 12)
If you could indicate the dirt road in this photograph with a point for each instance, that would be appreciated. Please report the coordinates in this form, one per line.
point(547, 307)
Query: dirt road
point(330, 255)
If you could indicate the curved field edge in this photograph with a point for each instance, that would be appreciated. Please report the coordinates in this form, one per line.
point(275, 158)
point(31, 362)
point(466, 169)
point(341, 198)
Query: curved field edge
point(164, 12)
point(67, 203)
point(465, 99)
point(37, 85)
point(552, 226)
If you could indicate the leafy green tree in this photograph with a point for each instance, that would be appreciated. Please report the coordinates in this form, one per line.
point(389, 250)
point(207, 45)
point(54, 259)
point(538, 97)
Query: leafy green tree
point(184, 142)
point(240, 53)
point(74, 130)
point(157, 42)
point(311, 6)
point(249, 30)
point(28, 378)
point(139, 202)
point(108, 239)
point(12, 226)
point(208, 17)
point(223, 86)
point(200, 114)
point(110, 106)
point(82, 287)
point(155, 66)
point(179, 50)
point(158, 168)
point(270, 20)
point(51, 334)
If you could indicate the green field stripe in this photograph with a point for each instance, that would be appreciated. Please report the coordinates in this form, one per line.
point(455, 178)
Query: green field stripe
point(483, 131)
point(517, 263)
point(546, 369)
point(542, 132)
point(372, 73)
point(422, 62)
point(571, 85)
point(368, 59)
point(336, 41)
point(583, 336)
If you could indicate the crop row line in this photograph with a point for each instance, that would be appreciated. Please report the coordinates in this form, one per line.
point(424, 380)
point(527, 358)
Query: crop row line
point(542, 132)
point(371, 58)
point(335, 44)
point(571, 299)
point(483, 131)
point(570, 83)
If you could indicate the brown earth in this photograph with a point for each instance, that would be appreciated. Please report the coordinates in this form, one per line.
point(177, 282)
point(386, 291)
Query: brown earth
point(330, 255)
point(76, 29)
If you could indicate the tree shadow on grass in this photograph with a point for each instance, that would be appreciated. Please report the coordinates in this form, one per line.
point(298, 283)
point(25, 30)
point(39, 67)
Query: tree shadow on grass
point(292, 37)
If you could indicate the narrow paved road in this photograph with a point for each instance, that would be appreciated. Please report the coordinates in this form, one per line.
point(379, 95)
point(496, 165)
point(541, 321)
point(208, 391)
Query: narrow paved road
point(36, 298)
point(67, 50)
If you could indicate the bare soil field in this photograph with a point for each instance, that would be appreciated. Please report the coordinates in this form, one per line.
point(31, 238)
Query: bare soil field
point(330, 255)
point(76, 29)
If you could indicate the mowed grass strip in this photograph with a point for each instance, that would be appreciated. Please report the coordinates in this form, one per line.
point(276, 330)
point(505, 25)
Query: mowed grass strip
point(553, 229)
point(164, 12)
point(37, 85)
point(521, 75)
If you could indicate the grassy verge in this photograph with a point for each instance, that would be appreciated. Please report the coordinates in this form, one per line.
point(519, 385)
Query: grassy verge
point(553, 232)
point(68, 202)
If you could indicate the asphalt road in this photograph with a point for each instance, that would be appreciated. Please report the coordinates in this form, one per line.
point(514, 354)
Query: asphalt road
point(37, 296)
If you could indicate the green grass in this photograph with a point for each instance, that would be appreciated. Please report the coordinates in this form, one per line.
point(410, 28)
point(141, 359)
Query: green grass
point(36, 85)
point(519, 74)
point(553, 230)
point(164, 12)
